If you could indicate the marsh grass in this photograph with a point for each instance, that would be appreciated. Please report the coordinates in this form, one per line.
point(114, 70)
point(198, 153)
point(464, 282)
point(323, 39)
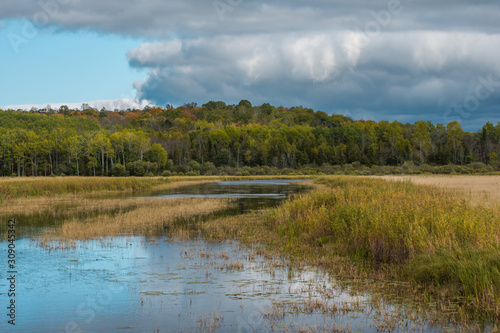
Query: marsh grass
point(150, 217)
point(421, 234)
point(478, 189)
point(414, 244)
point(39, 186)
point(56, 206)
point(385, 221)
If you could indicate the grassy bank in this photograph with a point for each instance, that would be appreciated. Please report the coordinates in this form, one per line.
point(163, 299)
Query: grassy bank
point(64, 205)
point(37, 186)
point(150, 217)
point(427, 236)
point(420, 243)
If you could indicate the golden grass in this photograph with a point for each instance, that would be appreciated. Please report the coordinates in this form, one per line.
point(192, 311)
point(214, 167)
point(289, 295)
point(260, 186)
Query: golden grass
point(417, 242)
point(69, 204)
point(152, 217)
point(479, 189)
point(40, 186)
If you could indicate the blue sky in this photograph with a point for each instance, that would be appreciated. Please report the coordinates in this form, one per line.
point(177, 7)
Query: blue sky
point(65, 66)
point(368, 59)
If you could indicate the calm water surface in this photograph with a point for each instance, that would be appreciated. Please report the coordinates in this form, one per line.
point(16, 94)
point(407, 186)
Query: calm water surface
point(150, 284)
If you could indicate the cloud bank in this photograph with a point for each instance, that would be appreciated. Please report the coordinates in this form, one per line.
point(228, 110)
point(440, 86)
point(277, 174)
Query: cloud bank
point(404, 60)
point(110, 105)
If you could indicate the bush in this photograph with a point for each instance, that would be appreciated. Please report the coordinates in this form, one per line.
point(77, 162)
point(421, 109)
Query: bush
point(195, 166)
point(208, 168)
point(137, 168)
point(118, 170)
point(480, 167)
point(166, 173)
point(461, 170)
point(445, 169)
point(425, 168)
point(477, 165)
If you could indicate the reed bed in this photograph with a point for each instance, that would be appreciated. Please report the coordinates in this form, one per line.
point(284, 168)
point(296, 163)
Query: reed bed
point(385, 221)
point(423, 234)
point(421, 244)
point(39, 186)
point(152, 217)
point(62, 206)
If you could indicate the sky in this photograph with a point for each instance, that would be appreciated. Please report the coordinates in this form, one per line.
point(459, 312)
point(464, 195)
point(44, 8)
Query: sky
point(402, 60)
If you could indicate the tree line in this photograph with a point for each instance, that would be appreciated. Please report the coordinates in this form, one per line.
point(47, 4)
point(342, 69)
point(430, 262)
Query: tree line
point(213, 137)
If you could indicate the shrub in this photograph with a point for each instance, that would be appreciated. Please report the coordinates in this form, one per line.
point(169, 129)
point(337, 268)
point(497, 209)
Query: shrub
point(137, 168)
point(194, 165)
point(425, 168)
point(480, 167)
point(118, 170)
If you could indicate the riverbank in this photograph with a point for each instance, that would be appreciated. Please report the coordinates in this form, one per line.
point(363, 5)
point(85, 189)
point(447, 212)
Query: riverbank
point(425, 246)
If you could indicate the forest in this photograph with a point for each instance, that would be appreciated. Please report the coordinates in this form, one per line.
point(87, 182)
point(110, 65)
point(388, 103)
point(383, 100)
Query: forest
point(241, 139)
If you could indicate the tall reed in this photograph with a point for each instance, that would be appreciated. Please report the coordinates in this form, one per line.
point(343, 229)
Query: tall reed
point(433, 236)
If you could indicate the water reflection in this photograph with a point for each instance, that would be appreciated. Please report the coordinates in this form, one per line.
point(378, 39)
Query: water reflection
point(148, 284)
point(249, 195)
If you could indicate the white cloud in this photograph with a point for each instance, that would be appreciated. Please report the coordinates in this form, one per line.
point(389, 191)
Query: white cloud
point(154, 54)
point(314, 53)
point(110, 105)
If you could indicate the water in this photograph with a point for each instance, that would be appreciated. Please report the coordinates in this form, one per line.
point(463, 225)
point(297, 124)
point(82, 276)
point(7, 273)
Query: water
point(151, 284)
point(142, 284)
point(249, 195)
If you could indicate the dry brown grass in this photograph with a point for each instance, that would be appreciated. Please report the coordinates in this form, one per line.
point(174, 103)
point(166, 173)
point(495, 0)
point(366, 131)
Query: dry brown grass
point(77, 203)
point(478, 189)
point(152, 217)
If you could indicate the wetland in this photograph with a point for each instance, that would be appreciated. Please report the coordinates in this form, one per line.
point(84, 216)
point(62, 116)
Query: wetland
point(252, 255)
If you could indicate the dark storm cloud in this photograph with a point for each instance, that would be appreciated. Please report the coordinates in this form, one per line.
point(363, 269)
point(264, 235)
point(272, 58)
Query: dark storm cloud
point(389, 59)
point(157, 18)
